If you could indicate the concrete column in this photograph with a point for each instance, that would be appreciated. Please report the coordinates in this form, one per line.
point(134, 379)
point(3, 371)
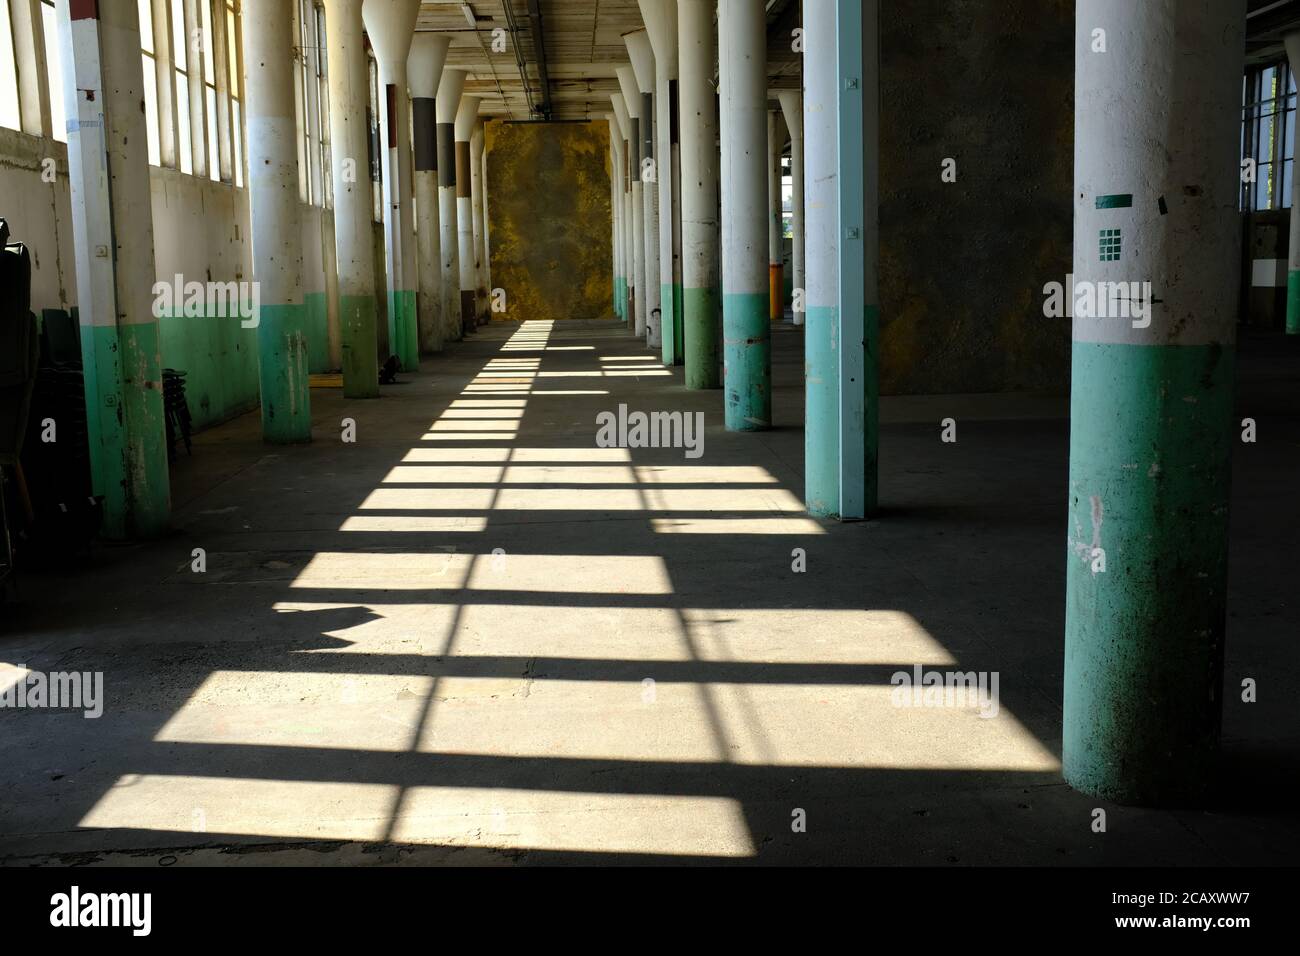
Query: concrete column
point(792, 111)
point(1293, 264)
point(643, 66)
point(628, 173)
point(742, 77)
point(1151, 417)
point(636, 143)
point(423, 71)
point(699, 157)
point(821, 370)
point(349, 87)
point(841, 107)
point(449, 92)
point(660, 18)
point(776, 283)
point(485, 251)
point(466, 117)
point(391, 27)
point(476, 196)
point(108, 171)
point(282, 364)
point(616, 209)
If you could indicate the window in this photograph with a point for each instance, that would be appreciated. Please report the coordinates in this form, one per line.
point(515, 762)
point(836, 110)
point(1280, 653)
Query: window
point(9, 115)
point(54, 71)
point(1268, 136)
point(206, 85)
point(150, 81)
point(311, 98)
point(376, 147)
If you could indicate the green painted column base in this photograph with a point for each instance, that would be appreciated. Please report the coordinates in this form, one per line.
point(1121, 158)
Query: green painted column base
point(360, 346)
point(747, 361)
point(821, 414)
point(1151, 430)
point(700, 330)
point(127, 431)
point(318, 331)
point(1293, 303)
point(283, 374)
point(404, 329)
point(668, 331)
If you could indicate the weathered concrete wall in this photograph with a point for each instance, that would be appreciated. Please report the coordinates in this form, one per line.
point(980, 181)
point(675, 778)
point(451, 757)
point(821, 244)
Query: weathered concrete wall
point(989, 83)
point(201, 230)
point(549, 219)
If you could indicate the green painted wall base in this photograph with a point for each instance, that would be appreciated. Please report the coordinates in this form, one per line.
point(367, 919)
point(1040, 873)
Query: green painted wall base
point(700, 321)
point(1151, 430)
point(360, 346)
point(126, 428)
point(318, 331)
point(404, 329)
point(219, 358)
point(747, 360)
point(283, 374)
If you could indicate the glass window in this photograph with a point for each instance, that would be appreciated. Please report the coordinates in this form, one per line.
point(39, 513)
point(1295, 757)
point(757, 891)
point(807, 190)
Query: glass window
point(9, 115)
point(54, 71)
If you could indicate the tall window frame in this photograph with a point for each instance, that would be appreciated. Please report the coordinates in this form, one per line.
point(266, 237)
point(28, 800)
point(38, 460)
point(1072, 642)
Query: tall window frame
point(1268, 127)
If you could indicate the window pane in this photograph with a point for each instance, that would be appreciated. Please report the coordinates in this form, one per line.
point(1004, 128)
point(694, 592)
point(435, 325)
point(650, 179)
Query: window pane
point(54, 65)
point(151, 108)
point(1288, 144)
point(214, 162)
point(1264, 186)
point(180, 42)
point(232, 48)
point(184, 145)
point(209, 61)
point(1286, 185)
point(8, 73)
point(146, 26)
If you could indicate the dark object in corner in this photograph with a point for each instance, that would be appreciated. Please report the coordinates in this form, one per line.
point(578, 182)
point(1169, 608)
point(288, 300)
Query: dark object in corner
point(177, 411)
point(388, 371)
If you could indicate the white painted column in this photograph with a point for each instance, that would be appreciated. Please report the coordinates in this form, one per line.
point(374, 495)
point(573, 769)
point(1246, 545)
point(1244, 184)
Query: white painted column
point(632, 103)
point(660, 18)
point(449, 93)
point(776, 286)
point(476, 143)
point(112, 236)
point(699, 153)
point(349, 86)
point(643, 66)
point(742, 77)
point(616, 209)
point(283, 374)
point(821, 187)
point(792, 110)
point(625, 211)
point(466, 117)
point(423, 71)
point(391, 27)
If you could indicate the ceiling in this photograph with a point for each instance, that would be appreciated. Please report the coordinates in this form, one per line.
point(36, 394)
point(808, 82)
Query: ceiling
point(583, 44)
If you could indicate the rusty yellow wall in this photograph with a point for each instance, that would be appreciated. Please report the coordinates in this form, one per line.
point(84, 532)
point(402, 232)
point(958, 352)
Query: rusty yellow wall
point(549, 219)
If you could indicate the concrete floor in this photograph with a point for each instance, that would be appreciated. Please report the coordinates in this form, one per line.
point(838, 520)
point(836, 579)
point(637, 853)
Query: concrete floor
point(472, 637)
